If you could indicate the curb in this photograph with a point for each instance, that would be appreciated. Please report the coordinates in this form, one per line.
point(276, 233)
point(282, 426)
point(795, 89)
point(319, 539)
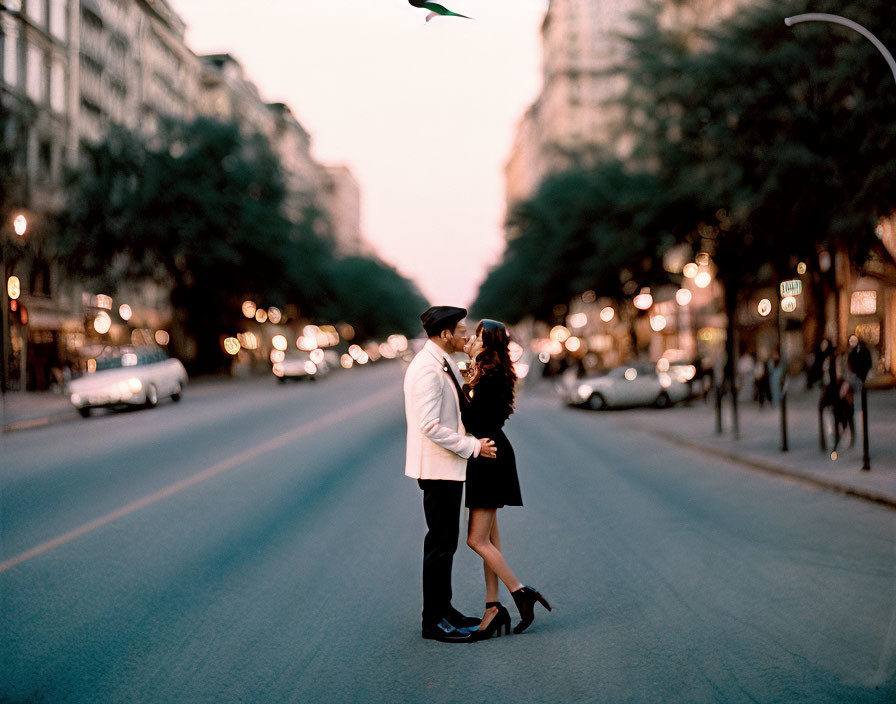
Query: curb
point(776, 469)
point(39, 422)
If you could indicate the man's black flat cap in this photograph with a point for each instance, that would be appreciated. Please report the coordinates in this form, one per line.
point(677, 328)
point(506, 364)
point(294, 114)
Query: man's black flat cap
point(440, 318)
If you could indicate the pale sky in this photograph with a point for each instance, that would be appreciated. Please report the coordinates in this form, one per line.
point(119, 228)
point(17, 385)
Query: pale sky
point(423, 114)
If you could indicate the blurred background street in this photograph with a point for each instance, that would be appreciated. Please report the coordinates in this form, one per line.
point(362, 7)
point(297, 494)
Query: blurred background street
point(220, 221)
point(289, 571)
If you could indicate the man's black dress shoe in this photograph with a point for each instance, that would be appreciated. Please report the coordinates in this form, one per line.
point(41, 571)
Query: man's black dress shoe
point(458, 620)
point(445, 632)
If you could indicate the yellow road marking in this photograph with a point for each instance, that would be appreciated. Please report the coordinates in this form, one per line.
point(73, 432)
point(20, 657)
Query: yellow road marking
point(213, 471)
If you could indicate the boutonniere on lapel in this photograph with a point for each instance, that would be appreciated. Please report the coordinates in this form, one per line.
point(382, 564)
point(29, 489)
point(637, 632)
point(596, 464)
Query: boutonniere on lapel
point(435, 10)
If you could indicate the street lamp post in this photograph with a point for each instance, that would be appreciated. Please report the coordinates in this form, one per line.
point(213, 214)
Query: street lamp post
point(836, 19)
point(782, 360)
point(891, 62)
point(20, 224)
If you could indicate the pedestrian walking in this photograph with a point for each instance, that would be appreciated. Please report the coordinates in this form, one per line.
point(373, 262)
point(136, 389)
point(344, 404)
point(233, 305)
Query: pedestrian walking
point(438, 447)
point(762, 391)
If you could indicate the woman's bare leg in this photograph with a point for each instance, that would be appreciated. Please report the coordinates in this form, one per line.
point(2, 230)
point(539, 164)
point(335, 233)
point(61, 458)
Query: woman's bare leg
point(479, 533)
point(491, 578)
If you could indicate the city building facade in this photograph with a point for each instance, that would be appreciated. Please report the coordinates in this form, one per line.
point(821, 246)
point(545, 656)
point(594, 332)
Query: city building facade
point(342, 200)
point(577, 114)
point(71, 71)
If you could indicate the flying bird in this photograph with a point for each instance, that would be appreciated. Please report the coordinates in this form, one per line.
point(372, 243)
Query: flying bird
point(435, 9)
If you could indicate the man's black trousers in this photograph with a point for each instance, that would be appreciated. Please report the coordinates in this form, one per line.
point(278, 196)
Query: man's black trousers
point(441, 506)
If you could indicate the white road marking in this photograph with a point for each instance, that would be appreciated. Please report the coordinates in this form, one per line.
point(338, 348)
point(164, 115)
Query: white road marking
point(213, 471)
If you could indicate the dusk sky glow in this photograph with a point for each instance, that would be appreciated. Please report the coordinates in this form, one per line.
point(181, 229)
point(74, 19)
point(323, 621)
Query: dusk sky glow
point(423, 113)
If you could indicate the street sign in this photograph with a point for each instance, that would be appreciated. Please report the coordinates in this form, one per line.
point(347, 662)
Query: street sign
point(794, 287)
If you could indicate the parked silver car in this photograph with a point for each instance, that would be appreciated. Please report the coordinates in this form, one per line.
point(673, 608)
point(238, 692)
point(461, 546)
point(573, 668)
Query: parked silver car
point(128, 376)
point(628, 386)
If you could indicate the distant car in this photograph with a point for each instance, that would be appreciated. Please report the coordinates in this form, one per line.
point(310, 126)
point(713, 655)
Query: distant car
point(129, 376)
point(302, 366)
point(630, 386)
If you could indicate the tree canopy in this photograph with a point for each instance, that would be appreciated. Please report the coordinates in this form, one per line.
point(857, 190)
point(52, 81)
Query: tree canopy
point(774, 143)
point(202, 215)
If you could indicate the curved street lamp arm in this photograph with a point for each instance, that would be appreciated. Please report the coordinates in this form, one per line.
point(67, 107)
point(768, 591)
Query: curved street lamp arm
point(836, 19)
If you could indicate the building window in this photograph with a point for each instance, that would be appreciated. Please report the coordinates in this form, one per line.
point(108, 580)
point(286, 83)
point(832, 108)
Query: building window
point(58, 19)
point(40, 278)
point(44, 160)
point(37, 11)
point(34, 74)
point(57, 86)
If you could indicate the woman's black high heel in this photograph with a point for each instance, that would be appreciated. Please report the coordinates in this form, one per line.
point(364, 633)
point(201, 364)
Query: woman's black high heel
point(502, 618)
point(525, 600)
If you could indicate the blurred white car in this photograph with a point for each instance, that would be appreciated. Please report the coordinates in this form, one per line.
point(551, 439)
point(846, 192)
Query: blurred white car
point(128, 376)
point(302, 366)
point(631, 385)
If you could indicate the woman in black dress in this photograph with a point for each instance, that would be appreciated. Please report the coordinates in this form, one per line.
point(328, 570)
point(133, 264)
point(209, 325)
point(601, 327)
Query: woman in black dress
point(493, 483)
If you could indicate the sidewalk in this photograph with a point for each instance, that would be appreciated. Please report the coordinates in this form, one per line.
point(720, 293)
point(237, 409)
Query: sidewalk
point(759, 445)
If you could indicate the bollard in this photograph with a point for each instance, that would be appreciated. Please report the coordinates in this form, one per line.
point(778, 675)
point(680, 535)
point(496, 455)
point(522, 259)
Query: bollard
point(718, 409)
point(784, 446)
point(866, 455)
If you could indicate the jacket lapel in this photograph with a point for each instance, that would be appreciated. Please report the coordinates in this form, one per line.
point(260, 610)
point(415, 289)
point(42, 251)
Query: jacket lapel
point(462, 399)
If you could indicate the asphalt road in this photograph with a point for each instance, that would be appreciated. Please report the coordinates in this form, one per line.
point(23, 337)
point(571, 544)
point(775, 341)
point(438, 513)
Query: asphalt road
point(259, 543)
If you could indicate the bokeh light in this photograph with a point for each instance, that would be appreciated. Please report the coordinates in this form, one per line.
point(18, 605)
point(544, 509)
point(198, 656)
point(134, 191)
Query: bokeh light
point(690, 270)
point(683, 296)
point(703, 279)
point(231, 345)
point(102, 323)
point(124, 310)
point(274, 315)
point(317, 356)
point(162, 337)
point(249, 309)
point(560, 334)
point(658, 323)
point(261, 315)
point(577, 320)
point(247, 340)
point(764, 308)
point(280, 342)
point(643, 300)
point(607, 314)
point(20, 224)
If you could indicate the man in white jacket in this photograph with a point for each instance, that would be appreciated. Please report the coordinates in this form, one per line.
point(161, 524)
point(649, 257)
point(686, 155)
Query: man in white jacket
point(438, 448)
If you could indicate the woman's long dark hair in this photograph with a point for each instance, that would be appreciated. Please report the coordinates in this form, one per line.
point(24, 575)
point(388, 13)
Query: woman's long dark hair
point(493, 361)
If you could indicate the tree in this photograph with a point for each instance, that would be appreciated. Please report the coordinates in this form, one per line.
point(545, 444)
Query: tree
point(202, 216)
point(376, 297)
point(578, 232)
point(783, 130)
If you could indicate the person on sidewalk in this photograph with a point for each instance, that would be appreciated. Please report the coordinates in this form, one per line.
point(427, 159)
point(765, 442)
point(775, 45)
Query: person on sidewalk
point(437, 451)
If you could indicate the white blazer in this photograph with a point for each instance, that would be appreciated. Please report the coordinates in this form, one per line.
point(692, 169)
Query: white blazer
point(438, 446)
